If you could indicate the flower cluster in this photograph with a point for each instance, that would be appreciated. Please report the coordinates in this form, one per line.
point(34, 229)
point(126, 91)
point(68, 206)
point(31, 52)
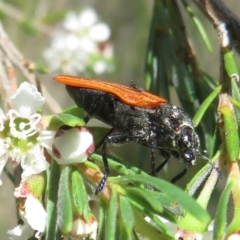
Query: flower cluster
point(21, 134)
point(24, 141)
point(81, 45)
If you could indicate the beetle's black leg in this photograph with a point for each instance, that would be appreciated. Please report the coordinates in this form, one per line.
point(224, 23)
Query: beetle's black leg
point(159, 168)
point(114, 138)
point(98, 145)
point(166, 156)
point(180, 175)
point(92, 109)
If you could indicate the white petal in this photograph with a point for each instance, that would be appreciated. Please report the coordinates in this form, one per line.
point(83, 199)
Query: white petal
point(35, 214)
point(82, 228)
point(20, 232)
point(27, 99)
point(87, 45)
point(100, 32)
point(71, 22)
point(72, 42)
point(46, 139)
point(34, 163)
point(87, 18)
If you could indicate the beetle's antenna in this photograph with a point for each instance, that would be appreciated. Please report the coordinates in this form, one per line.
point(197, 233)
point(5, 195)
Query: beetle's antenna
point(211, 163)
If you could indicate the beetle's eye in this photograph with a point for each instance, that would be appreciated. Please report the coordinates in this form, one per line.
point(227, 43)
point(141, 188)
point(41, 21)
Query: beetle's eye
point(189, 157)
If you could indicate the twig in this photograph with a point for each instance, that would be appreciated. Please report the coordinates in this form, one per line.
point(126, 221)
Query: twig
point(223, 18)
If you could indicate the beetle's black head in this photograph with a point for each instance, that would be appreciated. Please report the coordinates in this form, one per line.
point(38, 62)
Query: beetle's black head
point(189, 148)
point(188, 145)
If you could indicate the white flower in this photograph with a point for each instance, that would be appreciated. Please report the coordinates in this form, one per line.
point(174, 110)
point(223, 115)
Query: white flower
point(30, 208)
point(36, 215)
point(72, 146)
point(78, 46)
point(20, 132)
point(34, 163)
point(100, 32)
point(81, 228)
point(20, 232)
point(85, 19)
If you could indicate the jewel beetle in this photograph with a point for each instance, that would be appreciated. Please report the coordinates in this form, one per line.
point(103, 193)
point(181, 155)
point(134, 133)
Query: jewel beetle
point(138, 116)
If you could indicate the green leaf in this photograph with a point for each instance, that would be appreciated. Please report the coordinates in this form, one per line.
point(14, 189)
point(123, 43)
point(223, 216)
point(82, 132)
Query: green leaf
point(111, 217)
point(236, 97)
point(79, 193)
point(163, 63)
point(147, 195)
point(141, 206)
point(204, 106)
point(74, 114)
point(41, 67)
point(231, 133)
point(101, 220)
point(199, 25)
point(65, 211)
point(147, 230)
point(221, 213)
point(123, 168)
point(179, 196)
point(64, 119)
point(233, 227)
point(75, 111)
point(205, 85)
point(230, 63)
point(52, 228)
point(201, 176)
point(127, 216)
point(189, 222)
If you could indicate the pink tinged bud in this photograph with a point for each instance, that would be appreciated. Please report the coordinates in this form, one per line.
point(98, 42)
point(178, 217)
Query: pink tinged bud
point(72, 146)
point(32, 186)
point(182, 234)
point(22, 191)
